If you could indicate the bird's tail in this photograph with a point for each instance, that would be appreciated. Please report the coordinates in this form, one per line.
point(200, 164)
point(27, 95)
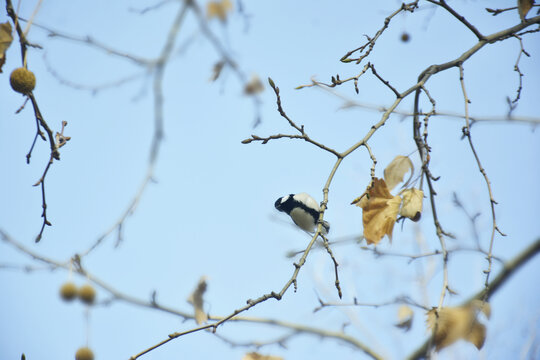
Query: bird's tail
point(325, 227)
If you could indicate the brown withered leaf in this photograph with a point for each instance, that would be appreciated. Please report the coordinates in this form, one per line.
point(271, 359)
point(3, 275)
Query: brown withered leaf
point(216, 70)
point(455, 323)
point(411, 207)
point(257, 356)
point(5, 42)
point(394, 172)
point(196, 299)
point(482, 306)
point(218, 9)
point(523, 8)
point(253, 86)
point(380, 210)
point(405, 317)
point(477, 335)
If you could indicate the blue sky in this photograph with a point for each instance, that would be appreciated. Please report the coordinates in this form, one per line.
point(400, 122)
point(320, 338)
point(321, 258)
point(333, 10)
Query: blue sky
point(210, 211)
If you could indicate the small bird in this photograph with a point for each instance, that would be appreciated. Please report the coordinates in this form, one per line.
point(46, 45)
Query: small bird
point(303, 210)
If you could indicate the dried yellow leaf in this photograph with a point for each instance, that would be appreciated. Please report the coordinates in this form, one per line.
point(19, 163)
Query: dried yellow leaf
point(196, 299)
point(405, 317)
point(482, 306)
point(253, 86)
point(411, 206)
point(455, 323)
point(477, 335)
point(523, 8)
point(380, 210)
point(394, 172)
point(5, 41)
point(257, 356)
point(216, 70)
point(218, 9)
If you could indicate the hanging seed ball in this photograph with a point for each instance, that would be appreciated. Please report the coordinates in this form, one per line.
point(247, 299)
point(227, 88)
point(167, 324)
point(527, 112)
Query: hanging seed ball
point(22, 80)
point(84, 353)
point(405, 37)
point(87, 294)
point(68, 291)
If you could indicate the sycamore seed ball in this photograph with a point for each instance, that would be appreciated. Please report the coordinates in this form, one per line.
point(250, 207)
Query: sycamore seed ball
point(87, 294)
point(405, 37)
point(22, 80)
point(84, 353)
point(68, 291)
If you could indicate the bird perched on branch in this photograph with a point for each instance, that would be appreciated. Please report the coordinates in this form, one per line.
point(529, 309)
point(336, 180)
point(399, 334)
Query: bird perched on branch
point(303, 210)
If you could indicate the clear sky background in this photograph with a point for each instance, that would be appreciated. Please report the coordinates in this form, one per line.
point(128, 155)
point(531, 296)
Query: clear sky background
point(210, 211)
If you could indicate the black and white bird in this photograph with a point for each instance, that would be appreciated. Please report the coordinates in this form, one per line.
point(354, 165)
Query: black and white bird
point(303, 210)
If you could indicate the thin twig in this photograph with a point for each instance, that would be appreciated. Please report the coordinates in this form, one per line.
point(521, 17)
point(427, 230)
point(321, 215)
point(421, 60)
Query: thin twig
point(412, 257)
point(517, 69)
point(303, 135)
point(335, 80)
point(496, 12)
point(372, 40)
point(90, 41)
point(385, 82)
point(396, 301)
point(329, 251)
point(349, 103)
point(467, 133)
point(281, 341)
point(443, 4)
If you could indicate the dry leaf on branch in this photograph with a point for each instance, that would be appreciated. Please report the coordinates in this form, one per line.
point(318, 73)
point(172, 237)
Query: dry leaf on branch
point(454, 323)
point(196, 299)
point(380, 210)
point(5, 41)
point(481, 306)
point(216, 70)
point(257, 356)
point(412, 203)
point(405, 317)
point(253, 86)
point(218, 9)
point(523, 8)
point(394, 172)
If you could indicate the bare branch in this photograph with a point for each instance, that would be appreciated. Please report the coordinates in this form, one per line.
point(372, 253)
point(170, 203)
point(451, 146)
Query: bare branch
point(350, 103)
point(467, 133)
point(303, 135)
point(396, 301)
point(516, 69)
point(443, 4)
point(385, 82)
point(329, 251)
point(371, 41)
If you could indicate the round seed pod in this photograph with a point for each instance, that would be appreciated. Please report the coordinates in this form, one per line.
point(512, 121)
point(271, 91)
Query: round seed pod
point(22, 80)
point(87, 294)
point(84, 353)
point(68, 291)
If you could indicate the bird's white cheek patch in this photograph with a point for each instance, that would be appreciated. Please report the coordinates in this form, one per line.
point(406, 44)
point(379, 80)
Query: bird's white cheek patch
point(302, 219)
